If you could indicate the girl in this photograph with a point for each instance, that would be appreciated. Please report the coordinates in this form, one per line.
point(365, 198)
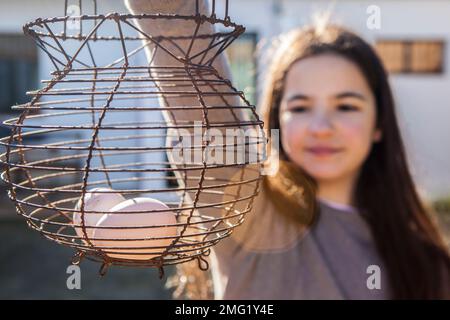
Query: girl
point(364, 234)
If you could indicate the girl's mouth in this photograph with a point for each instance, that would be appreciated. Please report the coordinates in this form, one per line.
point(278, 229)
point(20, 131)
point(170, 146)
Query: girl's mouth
point(323, 151)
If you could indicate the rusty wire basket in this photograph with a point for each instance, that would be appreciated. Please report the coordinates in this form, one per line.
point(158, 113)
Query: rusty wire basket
point(108, 119)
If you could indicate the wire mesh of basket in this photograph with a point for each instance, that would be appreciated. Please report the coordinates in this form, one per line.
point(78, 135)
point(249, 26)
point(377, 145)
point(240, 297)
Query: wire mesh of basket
point(112, 125)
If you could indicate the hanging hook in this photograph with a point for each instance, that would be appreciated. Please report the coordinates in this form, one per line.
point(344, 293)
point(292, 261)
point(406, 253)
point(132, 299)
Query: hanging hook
point(205, 265)
point(159, 263)
point(207, 252)
point(104, 268)
point(161, 272)
point(227, 17)
point(197, 10)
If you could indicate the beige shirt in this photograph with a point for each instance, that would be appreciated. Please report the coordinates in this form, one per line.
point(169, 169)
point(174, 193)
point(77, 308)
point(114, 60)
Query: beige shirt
point(268, 257)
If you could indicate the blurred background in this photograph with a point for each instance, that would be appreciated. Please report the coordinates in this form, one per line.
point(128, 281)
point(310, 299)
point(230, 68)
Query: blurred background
point(411, 36)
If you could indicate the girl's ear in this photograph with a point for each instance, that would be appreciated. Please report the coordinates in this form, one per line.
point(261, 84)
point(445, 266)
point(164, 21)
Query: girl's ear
point(377, 135)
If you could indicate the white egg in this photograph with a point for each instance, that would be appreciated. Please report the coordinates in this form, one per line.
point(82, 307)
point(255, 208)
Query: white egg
point(94, 201)
point(146, 218)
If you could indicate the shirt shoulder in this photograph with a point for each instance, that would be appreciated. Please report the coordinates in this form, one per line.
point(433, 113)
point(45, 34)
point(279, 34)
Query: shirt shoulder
point(264, 229)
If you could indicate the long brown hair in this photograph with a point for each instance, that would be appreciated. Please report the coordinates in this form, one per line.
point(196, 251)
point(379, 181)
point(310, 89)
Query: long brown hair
point(407, 238)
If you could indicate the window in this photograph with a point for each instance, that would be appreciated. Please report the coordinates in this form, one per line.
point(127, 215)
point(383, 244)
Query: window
point(18, 70)
point(411, 56)
point(241, 54)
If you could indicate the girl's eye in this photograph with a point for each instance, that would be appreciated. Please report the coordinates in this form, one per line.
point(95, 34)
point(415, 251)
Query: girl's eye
point(347, 107)
point(298, 109)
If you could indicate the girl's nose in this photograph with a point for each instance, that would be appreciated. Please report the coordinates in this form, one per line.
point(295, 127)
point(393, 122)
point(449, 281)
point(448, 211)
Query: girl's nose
point(321, 125)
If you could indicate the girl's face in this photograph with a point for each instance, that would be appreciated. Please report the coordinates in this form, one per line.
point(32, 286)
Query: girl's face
point(327, 117)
